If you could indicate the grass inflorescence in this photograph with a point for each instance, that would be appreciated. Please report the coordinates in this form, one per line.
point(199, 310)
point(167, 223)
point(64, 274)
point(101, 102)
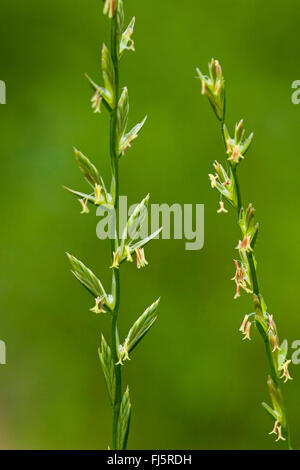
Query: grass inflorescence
point(226, 181)
point(113, 354)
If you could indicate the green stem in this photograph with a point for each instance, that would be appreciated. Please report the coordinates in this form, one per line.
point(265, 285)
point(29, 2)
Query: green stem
point(234, 172)
point(114, 244)
point(253, 273)
point(237, 188)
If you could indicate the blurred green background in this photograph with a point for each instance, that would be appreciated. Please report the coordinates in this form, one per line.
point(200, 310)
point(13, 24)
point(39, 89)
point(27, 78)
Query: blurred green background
point(194, 384)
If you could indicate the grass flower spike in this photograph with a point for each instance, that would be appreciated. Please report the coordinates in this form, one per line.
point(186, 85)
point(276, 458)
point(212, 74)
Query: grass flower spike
point(225, 181)
point(127, 247)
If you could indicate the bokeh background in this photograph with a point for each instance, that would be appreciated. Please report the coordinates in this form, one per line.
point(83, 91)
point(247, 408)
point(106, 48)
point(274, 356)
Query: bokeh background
point(194, 383)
